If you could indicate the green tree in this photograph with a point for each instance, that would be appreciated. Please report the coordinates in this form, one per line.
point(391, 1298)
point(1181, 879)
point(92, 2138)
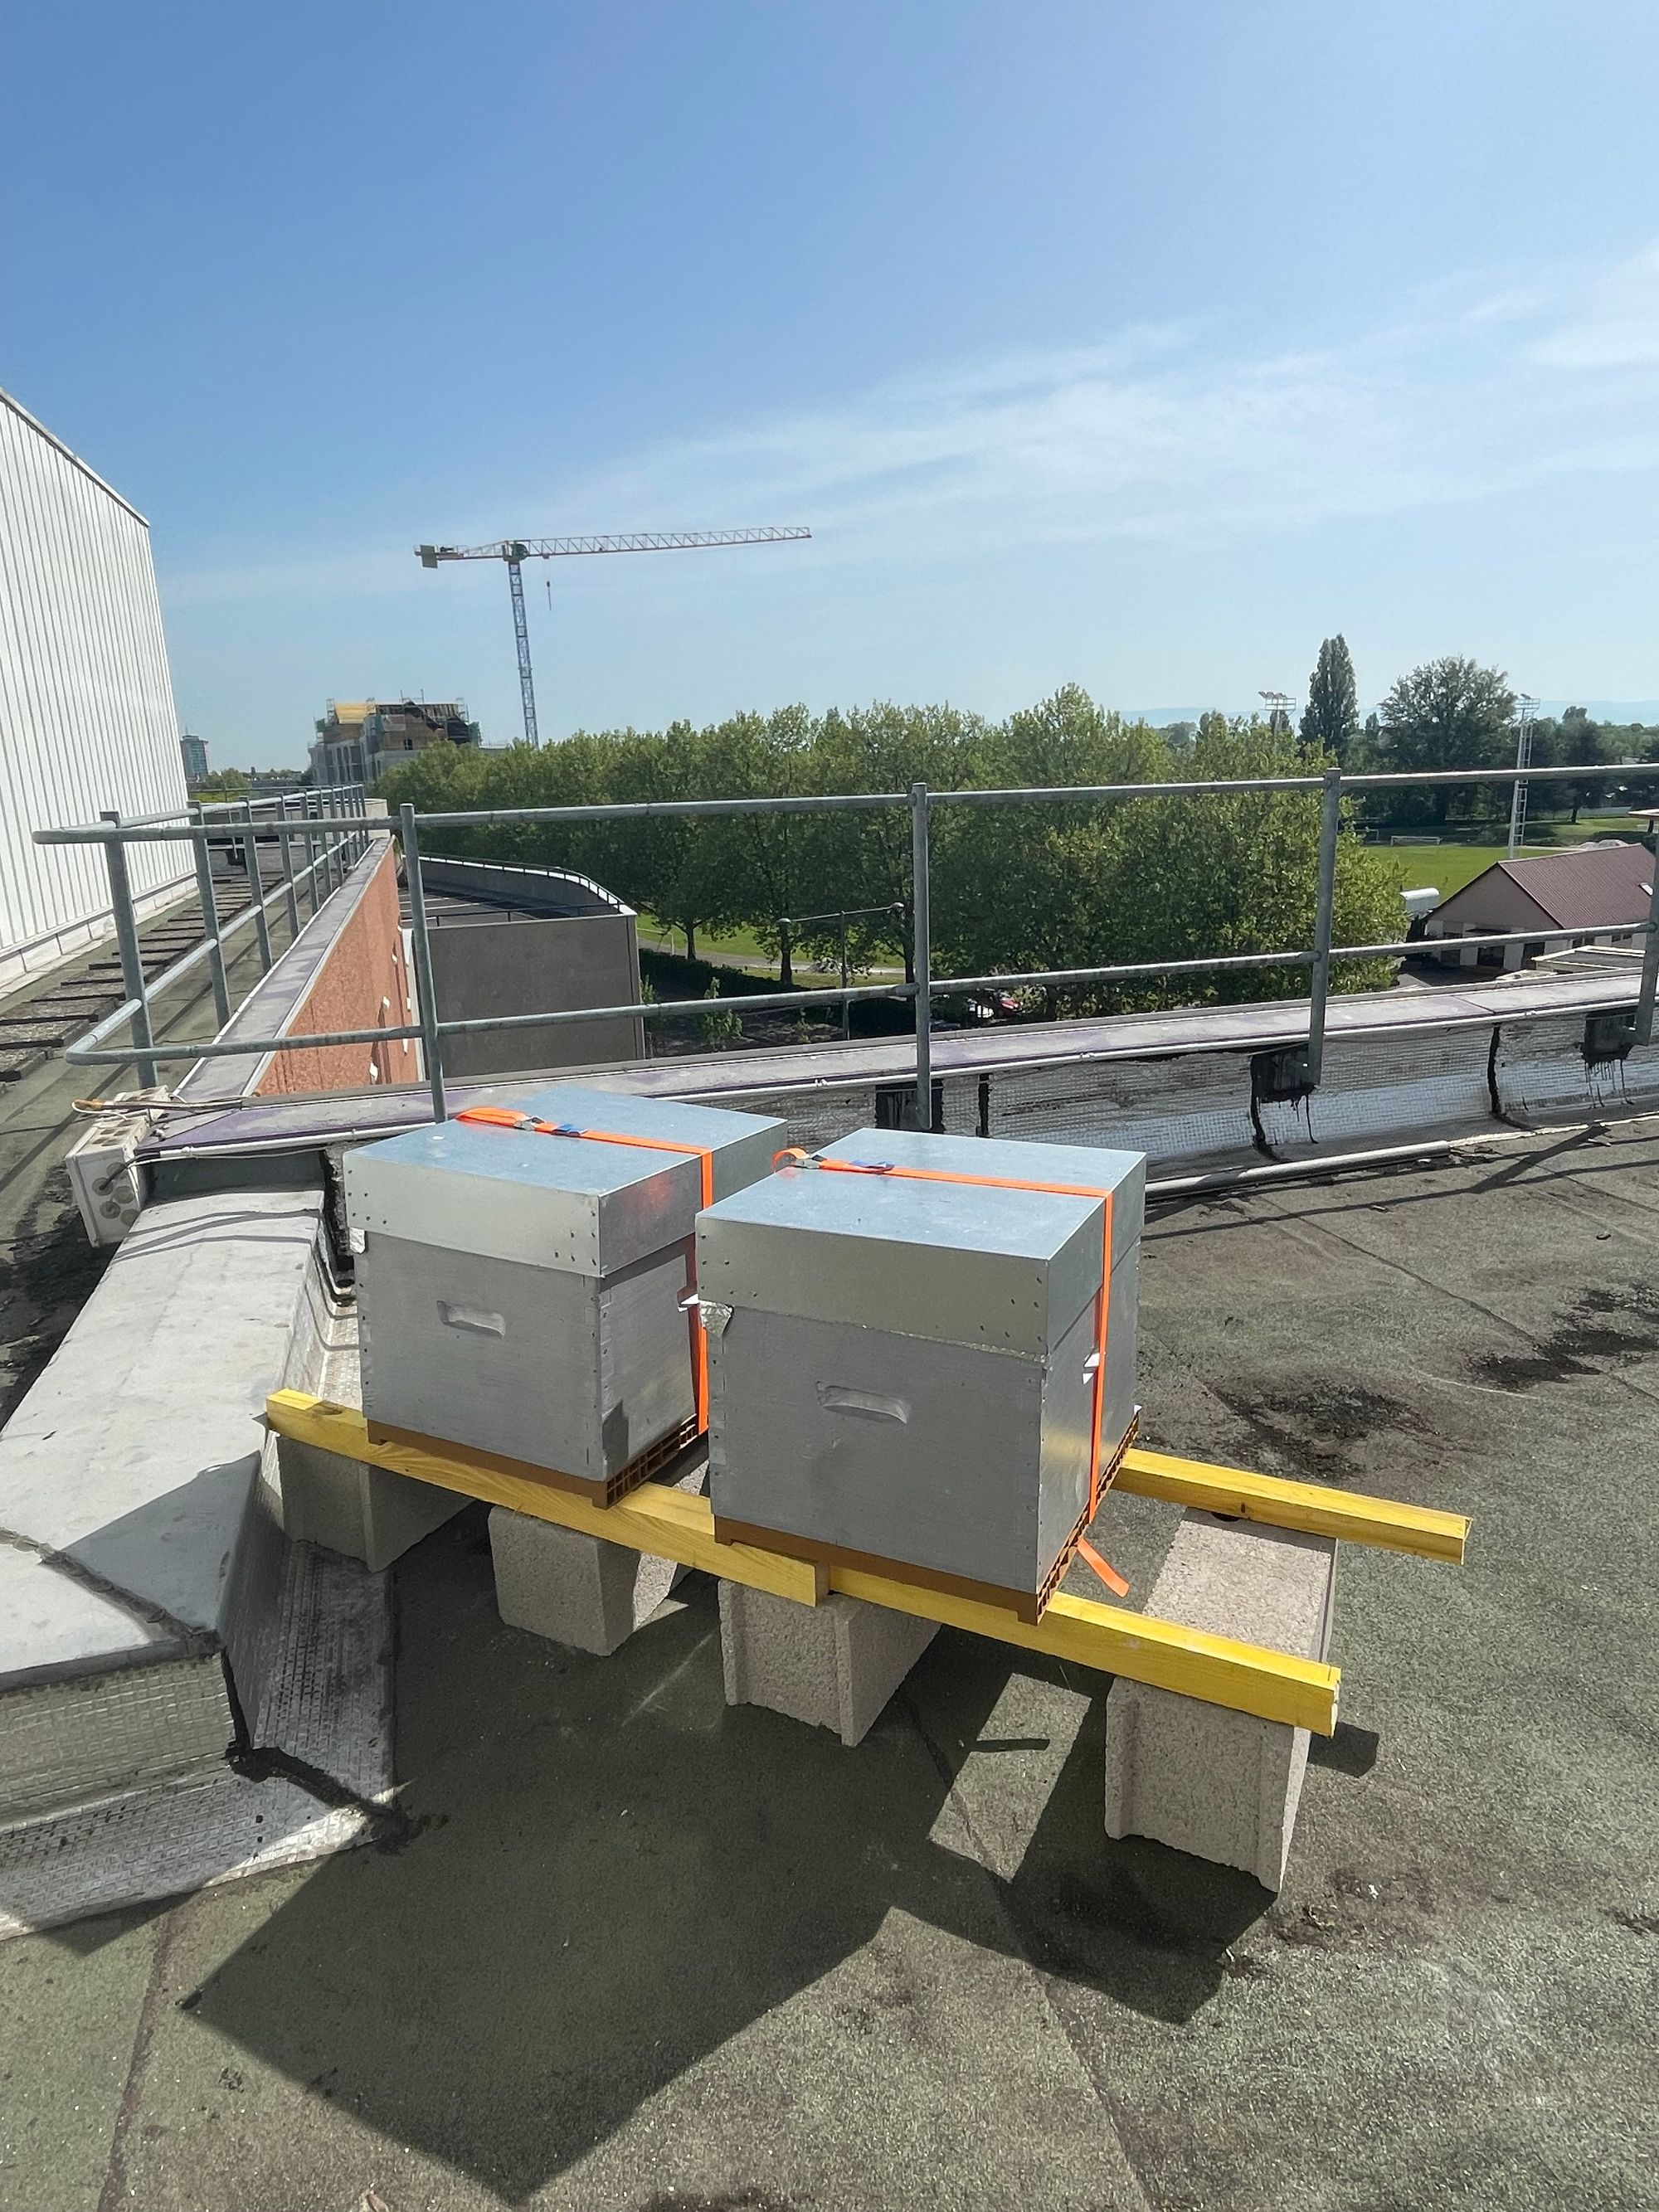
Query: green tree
point(1449, 713)
point(664, 862)
point(862, 861)
point(758, 866)
point(1237, 873)
point(1564, 744)
point(1330, 720)
point(1044, 884)
point(223, 783)
point(1024, 886)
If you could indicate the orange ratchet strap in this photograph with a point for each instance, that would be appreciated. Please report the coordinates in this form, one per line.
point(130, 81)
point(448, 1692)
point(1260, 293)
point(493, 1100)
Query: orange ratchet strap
point(509, 1117)
point(794, 1156)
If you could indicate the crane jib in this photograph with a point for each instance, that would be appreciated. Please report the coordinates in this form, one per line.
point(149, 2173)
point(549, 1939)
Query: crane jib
point(515, 551)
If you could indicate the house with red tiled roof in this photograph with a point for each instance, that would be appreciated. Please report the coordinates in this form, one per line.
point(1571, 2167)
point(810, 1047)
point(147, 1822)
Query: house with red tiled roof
point(1602, 893)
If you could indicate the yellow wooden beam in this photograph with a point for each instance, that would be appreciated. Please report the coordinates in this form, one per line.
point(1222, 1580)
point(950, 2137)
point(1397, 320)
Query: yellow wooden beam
point(654, 1518)
point(1422, 1530)
point(1248, 1677)
point(1273, 1685)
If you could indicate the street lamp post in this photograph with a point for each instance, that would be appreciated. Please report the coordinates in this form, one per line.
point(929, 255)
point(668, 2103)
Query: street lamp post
point(841, 916)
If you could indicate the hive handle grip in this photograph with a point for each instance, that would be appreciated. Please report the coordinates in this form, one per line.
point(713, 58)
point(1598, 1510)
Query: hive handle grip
point(471, 1321)
point(839, 1398)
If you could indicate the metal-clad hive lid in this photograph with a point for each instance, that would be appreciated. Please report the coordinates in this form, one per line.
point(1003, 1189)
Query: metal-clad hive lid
point(1004, 1269)
point(556, 1201)
point(742, 1144)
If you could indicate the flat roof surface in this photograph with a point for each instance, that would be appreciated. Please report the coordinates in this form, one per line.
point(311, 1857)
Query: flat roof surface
point(642, 1951)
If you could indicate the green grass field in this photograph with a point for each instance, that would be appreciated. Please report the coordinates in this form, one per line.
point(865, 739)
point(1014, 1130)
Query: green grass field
point(1448, 868)
point(731, 944)
point(741, 945)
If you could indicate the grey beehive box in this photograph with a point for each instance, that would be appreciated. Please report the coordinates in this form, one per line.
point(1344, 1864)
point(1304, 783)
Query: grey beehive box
point(521, 1294)
point(899, 1369)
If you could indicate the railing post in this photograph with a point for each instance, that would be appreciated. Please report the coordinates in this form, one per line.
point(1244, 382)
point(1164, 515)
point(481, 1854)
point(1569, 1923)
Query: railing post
point(1643, 1029)
point(256, 886)
point(1330, 826)
point(133, 962)
point(285, 847)
point(208, 900)
point(431, 1043)
point(922, 954)
point(312, 807)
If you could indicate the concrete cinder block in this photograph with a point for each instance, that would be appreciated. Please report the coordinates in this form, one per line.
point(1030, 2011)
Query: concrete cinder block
point(578, 1590)
point(833, 1665)
point(345, 1505)
point(1220, 1784)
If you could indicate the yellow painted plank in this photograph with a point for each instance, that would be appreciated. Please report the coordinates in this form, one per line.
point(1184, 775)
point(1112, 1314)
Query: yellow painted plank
point(1422, 1530)
point(654, 1518)
point(1273, 1685)
point(1248, 1677)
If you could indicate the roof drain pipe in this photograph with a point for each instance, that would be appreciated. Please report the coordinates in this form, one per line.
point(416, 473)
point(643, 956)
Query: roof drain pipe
point(1326, 1163)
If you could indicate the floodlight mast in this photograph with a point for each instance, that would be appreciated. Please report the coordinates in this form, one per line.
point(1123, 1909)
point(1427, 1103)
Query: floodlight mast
point(515, 551)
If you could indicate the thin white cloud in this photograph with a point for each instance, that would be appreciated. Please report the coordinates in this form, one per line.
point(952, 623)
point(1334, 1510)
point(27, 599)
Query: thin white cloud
point(1166, 433)
point(1616, 325)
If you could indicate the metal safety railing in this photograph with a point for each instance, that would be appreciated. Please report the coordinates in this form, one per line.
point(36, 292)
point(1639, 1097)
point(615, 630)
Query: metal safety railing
point(1332, 786)
point(328, 821)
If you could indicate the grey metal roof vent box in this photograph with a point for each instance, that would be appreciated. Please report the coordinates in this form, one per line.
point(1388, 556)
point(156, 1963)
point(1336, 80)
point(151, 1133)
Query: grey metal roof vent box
point(902, 1364)
point(522, 1290)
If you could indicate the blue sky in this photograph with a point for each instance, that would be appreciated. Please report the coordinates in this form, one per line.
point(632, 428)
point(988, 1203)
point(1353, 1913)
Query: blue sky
point(1140, 345)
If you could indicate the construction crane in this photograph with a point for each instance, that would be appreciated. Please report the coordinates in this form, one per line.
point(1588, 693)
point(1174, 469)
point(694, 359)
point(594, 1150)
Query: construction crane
point(515, 551)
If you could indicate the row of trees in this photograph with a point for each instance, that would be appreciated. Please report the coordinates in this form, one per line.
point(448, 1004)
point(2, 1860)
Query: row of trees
point(1015, 887)
point(1454, 713)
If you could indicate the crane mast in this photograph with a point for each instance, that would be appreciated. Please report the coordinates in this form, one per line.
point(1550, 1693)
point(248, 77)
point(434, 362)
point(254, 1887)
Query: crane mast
point(515, 551)
point(522, 638)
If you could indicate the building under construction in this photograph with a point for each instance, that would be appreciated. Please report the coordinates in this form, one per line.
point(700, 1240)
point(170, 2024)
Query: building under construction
point(359, 740)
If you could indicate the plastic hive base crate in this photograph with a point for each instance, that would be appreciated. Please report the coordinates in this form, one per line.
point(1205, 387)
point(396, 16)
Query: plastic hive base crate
point(521, 1294)
point(899, 1371)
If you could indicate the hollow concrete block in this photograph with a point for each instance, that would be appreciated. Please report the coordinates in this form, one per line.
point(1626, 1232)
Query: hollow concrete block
point(346, 1505)
point(578, 1590)
point(833, 1665)
point(1222, 1785)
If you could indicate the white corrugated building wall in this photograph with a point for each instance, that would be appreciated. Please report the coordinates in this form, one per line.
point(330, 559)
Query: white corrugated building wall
point(87, 718)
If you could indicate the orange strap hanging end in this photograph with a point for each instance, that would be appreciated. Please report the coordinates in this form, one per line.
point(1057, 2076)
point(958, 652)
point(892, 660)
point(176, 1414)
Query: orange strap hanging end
point(1108, 1573)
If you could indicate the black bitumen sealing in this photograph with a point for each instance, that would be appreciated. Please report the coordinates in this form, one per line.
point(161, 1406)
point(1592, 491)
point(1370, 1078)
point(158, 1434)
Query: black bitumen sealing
point(642, 1951)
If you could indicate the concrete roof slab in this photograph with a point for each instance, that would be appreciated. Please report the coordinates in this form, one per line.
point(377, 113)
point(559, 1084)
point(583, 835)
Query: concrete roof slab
point(126, 1471)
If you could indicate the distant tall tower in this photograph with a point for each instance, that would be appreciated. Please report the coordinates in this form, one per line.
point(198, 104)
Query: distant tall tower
point(1280, 704)
point(193, 753)
point(1526, 708)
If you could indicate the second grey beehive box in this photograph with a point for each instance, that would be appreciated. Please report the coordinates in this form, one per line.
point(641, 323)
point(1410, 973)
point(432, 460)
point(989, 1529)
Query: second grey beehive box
point(521, 1294)
point(901, 1370)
